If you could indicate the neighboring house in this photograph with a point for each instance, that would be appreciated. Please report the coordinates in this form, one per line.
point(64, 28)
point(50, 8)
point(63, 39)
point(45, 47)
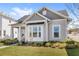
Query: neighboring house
point(74, 34)
point(74, 31)
point(45, 25)
point(5, 29)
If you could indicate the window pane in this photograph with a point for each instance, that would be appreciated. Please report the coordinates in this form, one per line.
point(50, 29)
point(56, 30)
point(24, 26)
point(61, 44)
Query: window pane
point(30, 32)
point(4, 32)
point(39, 31)
point(39, 34)
point(34, 34)
point(30, 35)
point(56, 34)
point(56, 29)
point(34, 31)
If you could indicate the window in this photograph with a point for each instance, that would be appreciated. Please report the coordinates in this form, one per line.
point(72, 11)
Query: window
point(0, 33)
point(56, 31)
point(30, 31)
point(44, 12)
point(35, 31)
point(39, 31)
point(9, 21)
point(4, 32)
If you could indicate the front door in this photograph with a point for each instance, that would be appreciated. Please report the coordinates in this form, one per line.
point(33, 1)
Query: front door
point(35, 32)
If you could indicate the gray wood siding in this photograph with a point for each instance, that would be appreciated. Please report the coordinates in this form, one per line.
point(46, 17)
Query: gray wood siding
point(35, 17)
point(63, 24)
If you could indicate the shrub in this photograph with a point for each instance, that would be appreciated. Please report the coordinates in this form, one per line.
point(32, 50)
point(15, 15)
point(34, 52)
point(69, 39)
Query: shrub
point(56, 44)
point(36, 44)
point(48, 44)
point(70, 46)
point(19, 44)
point(62, 45)
point(1, 44)
point(77, 44)
point(1, 41)
point(40, 44)
point(10, 41)
point(70, 42)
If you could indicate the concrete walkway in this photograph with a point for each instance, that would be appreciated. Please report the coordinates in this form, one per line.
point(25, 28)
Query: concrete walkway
point(4, 47)
point(7, 46)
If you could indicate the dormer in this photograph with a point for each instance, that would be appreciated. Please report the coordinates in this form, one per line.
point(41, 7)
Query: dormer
point(44, 12)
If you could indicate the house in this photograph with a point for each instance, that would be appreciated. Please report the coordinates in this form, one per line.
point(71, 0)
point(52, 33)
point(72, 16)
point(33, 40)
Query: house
point(5, 29)
point(74, 34)
point(45, 25)
point(74, 31)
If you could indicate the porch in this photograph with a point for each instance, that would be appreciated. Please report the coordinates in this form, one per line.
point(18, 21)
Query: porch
point(32, 31)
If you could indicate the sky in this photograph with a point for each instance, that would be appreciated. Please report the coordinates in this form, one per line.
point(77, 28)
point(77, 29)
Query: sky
point(18, 10)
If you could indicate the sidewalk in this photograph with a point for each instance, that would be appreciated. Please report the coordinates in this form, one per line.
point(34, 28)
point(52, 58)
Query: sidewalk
point(4, 47)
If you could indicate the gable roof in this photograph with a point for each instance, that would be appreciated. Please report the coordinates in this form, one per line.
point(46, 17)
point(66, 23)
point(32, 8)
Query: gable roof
point(64, 12)
point(36, 14)
point(23, 18)
point(56, 12)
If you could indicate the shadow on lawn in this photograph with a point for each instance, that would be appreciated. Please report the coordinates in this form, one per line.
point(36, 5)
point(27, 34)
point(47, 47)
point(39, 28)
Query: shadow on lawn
point(73, 52)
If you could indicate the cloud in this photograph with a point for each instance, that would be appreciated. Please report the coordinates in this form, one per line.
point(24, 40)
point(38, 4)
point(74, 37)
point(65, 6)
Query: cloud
point(18, 12)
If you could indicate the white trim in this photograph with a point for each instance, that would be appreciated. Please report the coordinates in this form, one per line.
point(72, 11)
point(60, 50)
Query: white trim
point(19, 33)
point(43, 16)
point(35, 38)
point(46, 26)
point(58, 19)
point(59, 31)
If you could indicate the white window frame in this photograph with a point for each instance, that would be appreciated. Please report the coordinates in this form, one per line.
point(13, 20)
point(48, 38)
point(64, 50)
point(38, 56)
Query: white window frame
point(32, 26)
point(59, 31)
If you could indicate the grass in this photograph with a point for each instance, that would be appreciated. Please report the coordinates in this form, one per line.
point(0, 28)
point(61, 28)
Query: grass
point(1, 44)
point(73, 52)
point(37, 51)
point(32, 51)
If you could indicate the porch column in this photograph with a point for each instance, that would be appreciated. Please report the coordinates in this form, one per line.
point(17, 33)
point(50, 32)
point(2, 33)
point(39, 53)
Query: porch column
point(19, 33)
point(26, 34)
point(12, 32)
point(46, 26)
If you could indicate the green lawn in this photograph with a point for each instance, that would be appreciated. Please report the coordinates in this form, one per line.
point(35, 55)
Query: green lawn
point(37, 51)
point(32, 51)
point(73, 52)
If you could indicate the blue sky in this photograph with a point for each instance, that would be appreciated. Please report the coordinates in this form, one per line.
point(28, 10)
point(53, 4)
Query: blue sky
point(13, 9)
point(7, 6)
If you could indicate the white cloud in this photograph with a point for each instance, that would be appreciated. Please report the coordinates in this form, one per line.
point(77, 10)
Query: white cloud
point(18, 12)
